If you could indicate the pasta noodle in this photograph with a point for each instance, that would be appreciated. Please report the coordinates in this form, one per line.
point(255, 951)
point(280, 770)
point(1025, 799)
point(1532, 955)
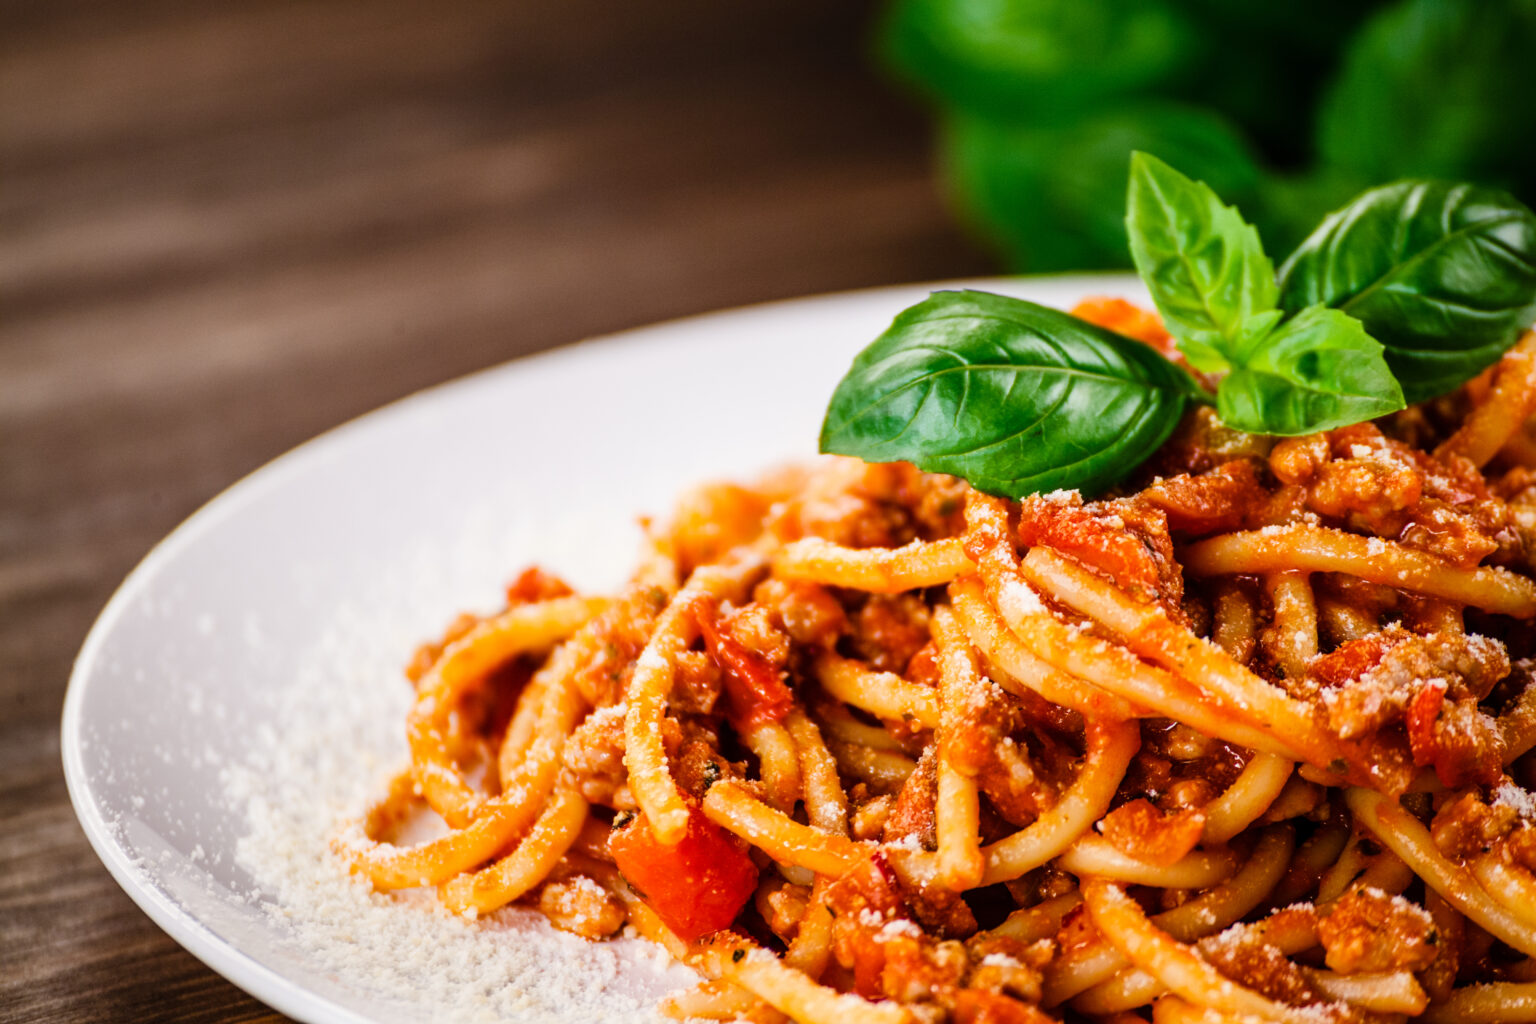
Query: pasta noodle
point(1247, 740)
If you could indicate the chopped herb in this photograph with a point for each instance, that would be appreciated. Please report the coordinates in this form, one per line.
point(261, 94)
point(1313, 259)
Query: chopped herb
point(737, 955)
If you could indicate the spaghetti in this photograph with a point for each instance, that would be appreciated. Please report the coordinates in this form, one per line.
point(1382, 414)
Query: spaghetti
point(1247, 742)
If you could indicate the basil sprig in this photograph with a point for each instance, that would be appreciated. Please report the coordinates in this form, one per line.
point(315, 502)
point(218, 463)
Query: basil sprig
point(1443, 275)
point(1203, 263)
point(1215, 287)
point(1018, 398)
point(1015, 397)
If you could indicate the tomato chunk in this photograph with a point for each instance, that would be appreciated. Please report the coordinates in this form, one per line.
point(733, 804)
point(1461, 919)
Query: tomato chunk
point(755, 692)
point(1419, 719)
point(695, 887)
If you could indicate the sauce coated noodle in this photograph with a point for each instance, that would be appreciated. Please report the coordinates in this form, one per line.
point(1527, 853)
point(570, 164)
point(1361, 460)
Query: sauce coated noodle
point(1246, 742)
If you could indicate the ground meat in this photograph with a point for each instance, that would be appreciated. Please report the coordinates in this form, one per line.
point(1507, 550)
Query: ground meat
point(1124, 541)
point(933, 502)
point(868, 817)
point(991, 743)
point(807, 612)
point(1002, 963)
point(1521, 846)
point(1467, 826)
point(1456, 738)
point(1431, 684)
point(697, 763)
point(912, 817)
point(1375, 677)
point(1262, 967)
point(1138, 829)
point(888, 629)
point(1011, 785)
point(1208, 503)
point(918, 970)
point(1297, 460)
point(782, 908)
point(1454, 535)
point(1177, 768)
point(1367, 931)
point(864, 505)
point(594, 755)
point(1201, 443)
point(753, 627)
point(1076, 931)
point(1366, 491)
point(1367, 481)
point(1517, 486)
point(752, 655)
point(941, 911)
point(621, 633)
point(696, 683)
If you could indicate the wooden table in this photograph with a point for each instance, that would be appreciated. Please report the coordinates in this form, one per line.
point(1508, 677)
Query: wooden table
point(226, 227)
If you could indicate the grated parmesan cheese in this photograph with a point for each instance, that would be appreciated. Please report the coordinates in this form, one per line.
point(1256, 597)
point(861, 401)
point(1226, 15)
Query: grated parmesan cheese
point(1521, 801)
point(900, 927)
point(338, 737)
point(1018, 600)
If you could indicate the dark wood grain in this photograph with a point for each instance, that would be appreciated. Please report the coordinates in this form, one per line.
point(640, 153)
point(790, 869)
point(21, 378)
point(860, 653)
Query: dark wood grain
point(226, 227)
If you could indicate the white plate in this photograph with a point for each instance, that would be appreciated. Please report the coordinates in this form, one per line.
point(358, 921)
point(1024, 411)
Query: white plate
point(219, 708)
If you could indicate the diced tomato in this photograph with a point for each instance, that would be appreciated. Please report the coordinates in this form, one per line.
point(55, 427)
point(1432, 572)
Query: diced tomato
point(695, 887)
point(1210, 502)
point(863, 900)
point(1419, 719)
point(1140, 830)
point(755, 691)
point(1125, 541)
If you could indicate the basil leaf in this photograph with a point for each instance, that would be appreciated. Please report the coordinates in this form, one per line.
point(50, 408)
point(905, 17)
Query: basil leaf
point(1443, 275)
point(1015, 397)
point(1317, 371)
point(1202, 262)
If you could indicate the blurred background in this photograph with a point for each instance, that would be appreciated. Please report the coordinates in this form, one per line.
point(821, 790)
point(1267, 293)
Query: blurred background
point(227, 227)
point(1287, 109)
